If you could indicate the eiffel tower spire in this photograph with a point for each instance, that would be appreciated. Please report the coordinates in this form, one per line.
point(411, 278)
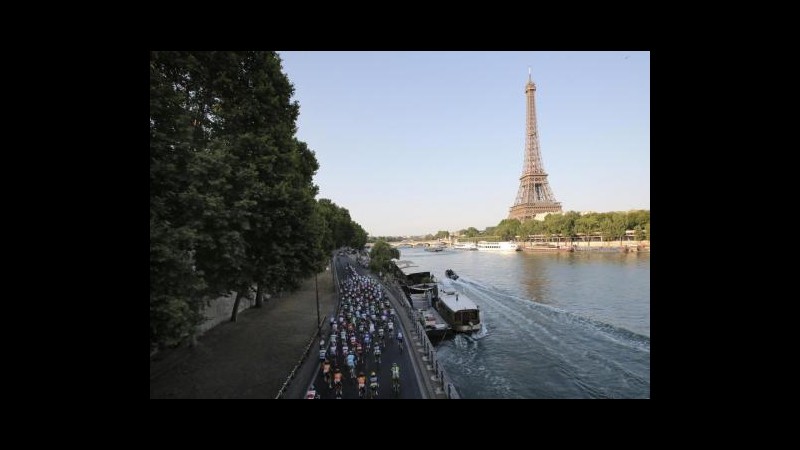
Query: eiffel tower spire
point(534, 195)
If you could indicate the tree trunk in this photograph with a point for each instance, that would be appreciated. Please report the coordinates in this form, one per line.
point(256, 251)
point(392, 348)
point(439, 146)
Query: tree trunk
point(259, 293)
point(235, 312)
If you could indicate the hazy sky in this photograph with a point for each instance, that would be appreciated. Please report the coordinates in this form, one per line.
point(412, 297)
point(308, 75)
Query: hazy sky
point(415, 142)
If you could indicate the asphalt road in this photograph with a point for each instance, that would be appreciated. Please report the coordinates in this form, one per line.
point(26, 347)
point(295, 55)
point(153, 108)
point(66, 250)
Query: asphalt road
point(409, 385)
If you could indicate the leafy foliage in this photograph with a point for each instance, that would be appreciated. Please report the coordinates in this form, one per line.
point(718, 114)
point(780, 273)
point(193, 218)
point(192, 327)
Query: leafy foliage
point(567, 226)
point(232, 199)
point(507, 229)
point(341, 231)
point(381, 255)
point(471, 232)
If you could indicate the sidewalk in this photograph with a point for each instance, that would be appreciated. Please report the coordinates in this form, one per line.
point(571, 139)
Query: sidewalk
point(247, 359)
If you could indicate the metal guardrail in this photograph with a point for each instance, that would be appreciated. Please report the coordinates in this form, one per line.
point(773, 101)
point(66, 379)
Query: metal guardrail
point(445, 383)
point(292, 374)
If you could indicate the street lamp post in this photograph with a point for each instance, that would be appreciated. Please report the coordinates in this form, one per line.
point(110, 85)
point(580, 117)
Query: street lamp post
point(316, 288)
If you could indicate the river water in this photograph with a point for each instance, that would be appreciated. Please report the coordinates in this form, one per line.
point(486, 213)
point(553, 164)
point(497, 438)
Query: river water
point(556, 325)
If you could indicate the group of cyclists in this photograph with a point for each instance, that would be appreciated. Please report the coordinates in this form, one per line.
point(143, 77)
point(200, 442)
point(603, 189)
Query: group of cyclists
point(364, 320)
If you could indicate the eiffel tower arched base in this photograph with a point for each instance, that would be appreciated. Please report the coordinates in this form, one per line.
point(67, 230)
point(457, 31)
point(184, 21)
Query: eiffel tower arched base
point(529, 211)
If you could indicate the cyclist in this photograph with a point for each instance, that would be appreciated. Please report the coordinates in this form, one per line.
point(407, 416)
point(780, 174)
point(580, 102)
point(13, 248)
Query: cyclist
point(362, 385)
point(395, 377)
point(312, 393)
point(373, 384)
point(337, 381)
point(351, 363)
point(377, 351)
point(333, 350)
point(400, 340)
point(326, 372)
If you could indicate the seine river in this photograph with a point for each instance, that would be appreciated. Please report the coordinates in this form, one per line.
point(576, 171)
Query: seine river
point(557, 325)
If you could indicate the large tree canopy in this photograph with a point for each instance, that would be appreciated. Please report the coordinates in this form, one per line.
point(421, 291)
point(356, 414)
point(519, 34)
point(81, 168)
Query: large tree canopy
point(610, 225)
point(341, 230)
point(232, 199)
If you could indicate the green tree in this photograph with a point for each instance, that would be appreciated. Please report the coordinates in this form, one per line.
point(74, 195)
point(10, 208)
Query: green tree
point(587, 225)
point(637, 217)
point(553, 225)
point(527, 229)
point(381, 255)
point(271, 193)
point(176, 286)
point(216, 212)
point(359, 239)
point(605, 226)
point(647, 230)
point(568, 225)
point(231, 192)
point(296, 238)
point(343, 231)
point(442, 234)
point(471, 232)
point(618, 225)
point(333, 217)
point(507, 229)
point(639, 232)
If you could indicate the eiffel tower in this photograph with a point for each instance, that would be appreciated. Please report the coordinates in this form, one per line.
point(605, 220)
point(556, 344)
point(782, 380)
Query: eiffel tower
point(534, 195)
